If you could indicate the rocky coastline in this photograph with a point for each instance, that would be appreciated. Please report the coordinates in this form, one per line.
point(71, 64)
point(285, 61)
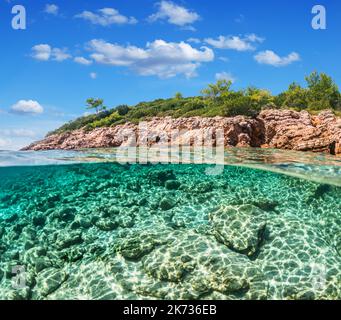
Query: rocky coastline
point(279, 129)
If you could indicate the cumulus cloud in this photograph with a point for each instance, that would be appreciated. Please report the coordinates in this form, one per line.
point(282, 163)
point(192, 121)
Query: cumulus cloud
point(82, 60)
point(60, 54)
point(246, 43)
point(52, 9)
point(254, 38)
point(225, 76)
point(271, 58)
point(41, 52)
point(106, 17)
point(160, 58)
point(45, 52)
point(174, 14)
point(27, 107)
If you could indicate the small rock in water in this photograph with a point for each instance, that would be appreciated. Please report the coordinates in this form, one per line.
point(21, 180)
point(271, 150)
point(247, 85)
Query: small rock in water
point(167, 204)
point(266, 205)
point(28, 245)
point(42, 263)
point(31, 255)
point(67, 239)
point(38, 220)
point(11, 218)
point(204, 187)
point(106, 224)
point(172, 184)
point(125, 221)
point(49, 280)
point(66, 214)
point(162, 176)
point(239, 228)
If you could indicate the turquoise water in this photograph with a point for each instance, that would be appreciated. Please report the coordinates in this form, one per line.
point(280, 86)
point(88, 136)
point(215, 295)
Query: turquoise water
point(87, 226)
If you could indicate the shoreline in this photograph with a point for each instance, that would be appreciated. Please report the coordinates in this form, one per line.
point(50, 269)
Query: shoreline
point(277, 129)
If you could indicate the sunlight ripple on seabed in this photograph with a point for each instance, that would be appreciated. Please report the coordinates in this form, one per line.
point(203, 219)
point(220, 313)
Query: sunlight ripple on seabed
point(95, 227)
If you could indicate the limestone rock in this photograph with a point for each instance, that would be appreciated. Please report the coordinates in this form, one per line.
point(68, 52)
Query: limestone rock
point(67, 239)
point(282, 129)
point(49, 280)
point(239, 228)
point(302, 132)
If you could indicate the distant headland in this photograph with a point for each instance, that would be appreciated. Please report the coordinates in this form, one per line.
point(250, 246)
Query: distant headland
point(301, 118)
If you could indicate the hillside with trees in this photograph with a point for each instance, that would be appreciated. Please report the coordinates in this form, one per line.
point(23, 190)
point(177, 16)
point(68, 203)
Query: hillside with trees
point(219, 99)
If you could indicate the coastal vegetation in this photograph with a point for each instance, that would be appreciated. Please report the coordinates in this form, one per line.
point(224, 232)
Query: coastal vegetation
point(219, 99)
point(96, 104)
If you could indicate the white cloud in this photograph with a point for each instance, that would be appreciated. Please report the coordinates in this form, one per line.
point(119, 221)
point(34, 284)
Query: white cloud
point(45, 52)
point(41, 52)
point(18, 133)
point(174, 14)
point(245, 43)
point(60, 54)
point(224, 59)
point(225, 76)
point(27, 107)
point(5, 143)
point(194, 40)
point(160, 58)
point(254, 38)
point(52, 9)
point(106, 17)
point(82, 60)
point(93, 75)
point(16, 138)
point(271, 58)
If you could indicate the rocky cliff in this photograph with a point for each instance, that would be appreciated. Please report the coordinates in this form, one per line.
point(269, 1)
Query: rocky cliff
point(283, 129)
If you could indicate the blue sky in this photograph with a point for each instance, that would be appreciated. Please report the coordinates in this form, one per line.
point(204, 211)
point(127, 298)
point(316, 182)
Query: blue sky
point(127, 51)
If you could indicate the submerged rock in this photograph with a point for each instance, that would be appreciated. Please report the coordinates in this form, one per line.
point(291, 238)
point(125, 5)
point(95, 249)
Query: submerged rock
point(167, 203)
point(240, 228)
point(162, 176)
point(136, 246)
point(106, 224)
point(172, 184)
point(38, 220)
point(67, 239)
point(31, 255)
point(163, 243)
point(49, 280)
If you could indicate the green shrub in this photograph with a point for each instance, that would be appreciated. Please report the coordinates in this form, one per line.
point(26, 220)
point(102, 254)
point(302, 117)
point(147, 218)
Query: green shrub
point(219, 99)
point(122, 110)
point(239, 106)
point(323, 92)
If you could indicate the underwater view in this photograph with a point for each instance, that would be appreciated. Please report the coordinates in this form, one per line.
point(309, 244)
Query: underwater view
point(85, 225)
